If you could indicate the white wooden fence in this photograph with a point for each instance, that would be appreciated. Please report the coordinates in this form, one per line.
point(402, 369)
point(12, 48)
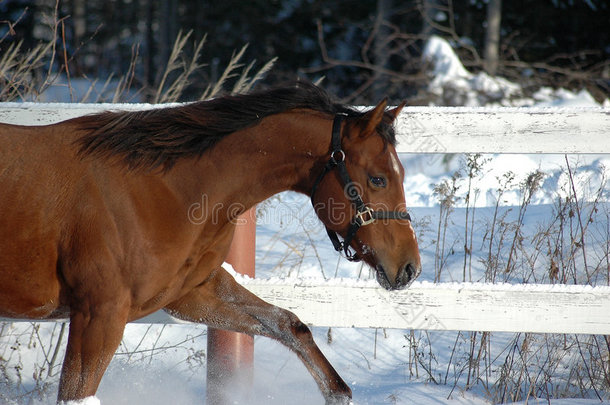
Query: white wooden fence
point(476, 307)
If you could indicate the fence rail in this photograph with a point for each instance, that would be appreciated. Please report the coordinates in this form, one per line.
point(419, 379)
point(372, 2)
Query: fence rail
point(527, 308)
point(425, 129)
point(503, 130)
point(446, 306)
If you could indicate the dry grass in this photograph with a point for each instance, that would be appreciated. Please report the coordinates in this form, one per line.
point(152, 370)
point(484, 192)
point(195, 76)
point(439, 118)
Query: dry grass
point(26, 74)
point(18, 71)
point(564, 248)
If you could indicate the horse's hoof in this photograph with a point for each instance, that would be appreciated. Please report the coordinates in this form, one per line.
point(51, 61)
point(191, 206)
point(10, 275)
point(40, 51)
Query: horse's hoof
point(339, 399)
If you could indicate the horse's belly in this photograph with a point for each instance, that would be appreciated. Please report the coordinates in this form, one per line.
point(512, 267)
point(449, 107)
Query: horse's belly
point(18, 309)
point(30, 285)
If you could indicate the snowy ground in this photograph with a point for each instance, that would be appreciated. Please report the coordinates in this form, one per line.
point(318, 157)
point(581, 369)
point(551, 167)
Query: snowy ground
point(165, 364)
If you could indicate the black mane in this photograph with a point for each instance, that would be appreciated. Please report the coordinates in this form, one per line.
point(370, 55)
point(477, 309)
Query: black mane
point(157, 138)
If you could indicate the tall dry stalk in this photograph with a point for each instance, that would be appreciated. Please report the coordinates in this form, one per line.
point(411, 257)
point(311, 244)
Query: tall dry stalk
point(446, 192)
point(18, 71)
point(180, 69)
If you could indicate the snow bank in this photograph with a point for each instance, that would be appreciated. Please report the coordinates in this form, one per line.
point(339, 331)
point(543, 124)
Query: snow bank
point(453, 85)
point(547, 97)
point(446, 66)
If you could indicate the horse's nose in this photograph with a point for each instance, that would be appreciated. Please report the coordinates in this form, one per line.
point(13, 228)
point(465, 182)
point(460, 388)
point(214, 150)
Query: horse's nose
point(406, 275)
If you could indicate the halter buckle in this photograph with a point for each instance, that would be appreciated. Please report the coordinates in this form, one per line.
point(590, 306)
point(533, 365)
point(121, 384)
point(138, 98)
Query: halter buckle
point(366, 211)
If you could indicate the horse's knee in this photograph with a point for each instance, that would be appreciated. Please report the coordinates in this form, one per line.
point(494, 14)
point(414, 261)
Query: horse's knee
point(297, 327)
point(290, 328)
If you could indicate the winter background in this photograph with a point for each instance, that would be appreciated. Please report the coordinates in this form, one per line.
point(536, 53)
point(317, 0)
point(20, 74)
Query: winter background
point(529, 202)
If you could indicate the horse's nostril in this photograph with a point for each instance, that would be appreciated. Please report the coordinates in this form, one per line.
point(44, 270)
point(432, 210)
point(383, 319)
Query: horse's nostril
point(405, 276)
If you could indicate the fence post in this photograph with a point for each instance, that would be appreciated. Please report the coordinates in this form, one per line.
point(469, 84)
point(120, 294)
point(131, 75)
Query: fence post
point(231, 354)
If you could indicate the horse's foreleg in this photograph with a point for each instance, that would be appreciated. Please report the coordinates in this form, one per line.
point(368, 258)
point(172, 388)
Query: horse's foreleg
point(223, 303)
point(93, 339)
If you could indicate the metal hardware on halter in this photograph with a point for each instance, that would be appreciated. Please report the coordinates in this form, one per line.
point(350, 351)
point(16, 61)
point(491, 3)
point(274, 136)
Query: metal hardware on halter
point(360, 216)
point(334, 157)
point(364, 215)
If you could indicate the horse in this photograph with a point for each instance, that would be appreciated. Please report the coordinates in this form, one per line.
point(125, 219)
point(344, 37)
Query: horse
point(94, 216)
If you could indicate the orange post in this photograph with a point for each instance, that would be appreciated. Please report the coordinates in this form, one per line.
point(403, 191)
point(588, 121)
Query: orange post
point(231, 354)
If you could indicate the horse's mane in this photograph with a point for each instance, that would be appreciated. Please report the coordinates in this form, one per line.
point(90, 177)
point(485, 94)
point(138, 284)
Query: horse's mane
point(158, 137)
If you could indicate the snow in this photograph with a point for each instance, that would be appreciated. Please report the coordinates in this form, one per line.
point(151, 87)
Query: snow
point(424, 284)
point(85, 90)
point(166, 364)
point(86, 401)
point(547, 97)
point(590, 172)
point(86, 106)
point(454, 85)
point(446, 65)
point(467, 89)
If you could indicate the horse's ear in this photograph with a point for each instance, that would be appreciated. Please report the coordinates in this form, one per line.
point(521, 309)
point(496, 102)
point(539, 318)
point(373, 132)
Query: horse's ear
point(395, 111)
point(369, 121)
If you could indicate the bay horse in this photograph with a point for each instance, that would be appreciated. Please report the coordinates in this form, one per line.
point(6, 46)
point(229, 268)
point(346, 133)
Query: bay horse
point(94, 222)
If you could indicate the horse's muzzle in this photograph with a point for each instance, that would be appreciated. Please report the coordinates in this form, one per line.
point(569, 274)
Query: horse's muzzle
point(405, 276)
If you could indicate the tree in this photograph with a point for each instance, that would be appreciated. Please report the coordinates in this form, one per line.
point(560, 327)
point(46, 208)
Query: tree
point(380, 51)
point(492, 37)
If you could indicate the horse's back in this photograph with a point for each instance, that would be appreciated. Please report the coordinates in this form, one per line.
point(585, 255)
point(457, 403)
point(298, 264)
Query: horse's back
point(35, 165)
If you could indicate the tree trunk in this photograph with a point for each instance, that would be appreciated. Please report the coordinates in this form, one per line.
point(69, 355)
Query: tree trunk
point(80, 21)
point(492, 37)
point(150, 71)
point(380, 48)
point(429, 10)
point(168, 28)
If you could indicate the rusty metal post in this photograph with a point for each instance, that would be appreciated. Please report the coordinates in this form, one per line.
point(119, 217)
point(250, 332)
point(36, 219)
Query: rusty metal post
point(231, 354)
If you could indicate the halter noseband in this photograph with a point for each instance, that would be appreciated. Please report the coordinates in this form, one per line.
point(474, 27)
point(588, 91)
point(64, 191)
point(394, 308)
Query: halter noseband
point(364, 215)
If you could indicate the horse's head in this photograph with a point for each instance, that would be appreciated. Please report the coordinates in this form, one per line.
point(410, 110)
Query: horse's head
point(360, 196)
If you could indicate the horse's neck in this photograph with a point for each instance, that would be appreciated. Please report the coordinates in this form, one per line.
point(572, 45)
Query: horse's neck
point(277, 155)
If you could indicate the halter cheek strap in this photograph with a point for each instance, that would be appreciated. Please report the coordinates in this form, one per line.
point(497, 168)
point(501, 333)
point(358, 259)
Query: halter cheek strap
point(364, 215)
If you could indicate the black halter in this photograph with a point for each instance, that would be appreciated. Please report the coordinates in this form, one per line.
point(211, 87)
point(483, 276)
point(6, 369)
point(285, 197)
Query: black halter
point(364, 215)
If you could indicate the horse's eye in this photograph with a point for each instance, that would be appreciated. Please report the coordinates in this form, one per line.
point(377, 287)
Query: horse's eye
point(378, 181)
